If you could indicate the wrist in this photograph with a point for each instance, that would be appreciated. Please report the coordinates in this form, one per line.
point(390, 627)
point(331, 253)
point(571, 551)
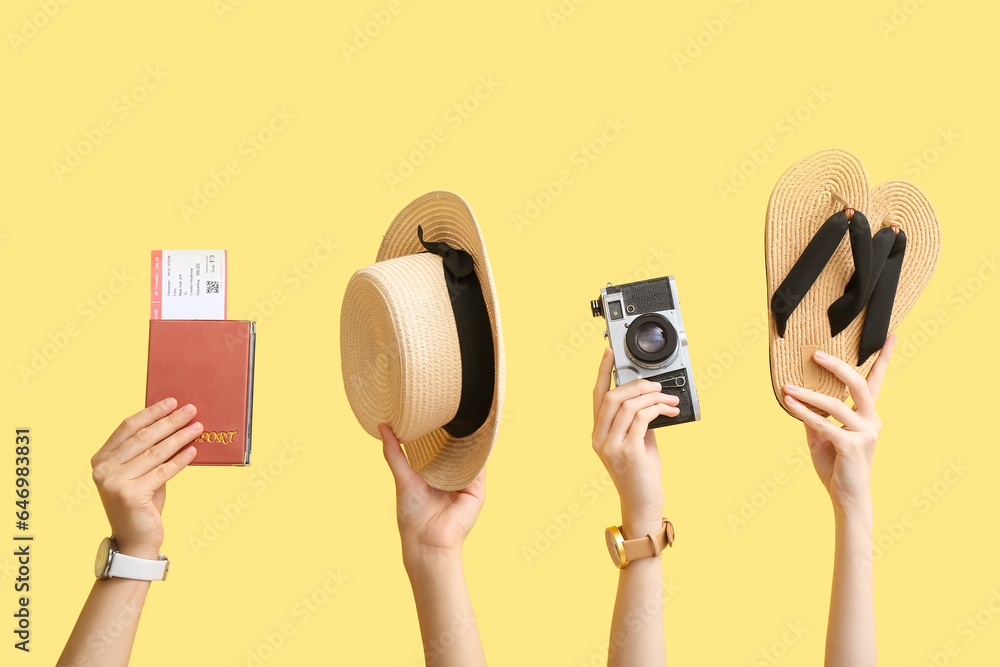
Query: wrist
point(858, 513)
point(423, 560)
point(146, 550)
point(637, 524)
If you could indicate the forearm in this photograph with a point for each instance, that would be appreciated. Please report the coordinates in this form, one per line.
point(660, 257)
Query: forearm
point(850, 636)
point(105, 631)
point(444, 609)
point(637, 636)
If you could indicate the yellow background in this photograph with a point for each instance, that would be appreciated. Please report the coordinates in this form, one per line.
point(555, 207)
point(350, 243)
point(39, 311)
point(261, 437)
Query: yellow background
point(885, 79)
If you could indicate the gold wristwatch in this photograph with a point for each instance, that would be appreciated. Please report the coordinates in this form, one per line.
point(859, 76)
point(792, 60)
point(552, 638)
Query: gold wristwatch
point(625, 551)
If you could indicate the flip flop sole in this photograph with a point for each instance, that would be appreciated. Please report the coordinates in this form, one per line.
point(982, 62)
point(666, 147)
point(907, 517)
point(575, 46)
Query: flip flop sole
point(801, 201)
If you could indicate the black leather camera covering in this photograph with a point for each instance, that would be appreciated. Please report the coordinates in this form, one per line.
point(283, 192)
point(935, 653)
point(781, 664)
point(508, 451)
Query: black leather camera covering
point(648, 296)
point(686, 405)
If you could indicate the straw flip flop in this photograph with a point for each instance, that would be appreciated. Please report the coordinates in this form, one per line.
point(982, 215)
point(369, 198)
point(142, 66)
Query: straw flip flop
point(845, 263)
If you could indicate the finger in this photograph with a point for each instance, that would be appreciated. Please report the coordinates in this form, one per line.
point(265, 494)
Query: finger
point(148, 436)
point(603, 385)
point(476, 490)
point(402, 473)
point(614, 399)
point(877, 372)
point(160, 452)
point(819, 424)
point(846, 374)
point(635, 442)
point(630, 408)
point(130, 425)
point(166, 471)
point(832, 406)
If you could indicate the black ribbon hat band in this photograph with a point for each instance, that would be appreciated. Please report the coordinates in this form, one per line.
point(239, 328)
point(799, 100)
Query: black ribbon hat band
point(475, 337)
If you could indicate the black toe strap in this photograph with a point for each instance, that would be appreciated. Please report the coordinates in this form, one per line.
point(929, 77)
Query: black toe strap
point(876, 327)
point(807, 269)
point(878, 261)
point(856, 292)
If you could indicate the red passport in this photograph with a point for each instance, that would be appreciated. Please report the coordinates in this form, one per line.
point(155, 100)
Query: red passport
point(208, 363)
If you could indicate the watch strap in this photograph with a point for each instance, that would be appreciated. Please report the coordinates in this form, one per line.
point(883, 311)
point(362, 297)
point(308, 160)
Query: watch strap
point(651, 544)
point(130, 567)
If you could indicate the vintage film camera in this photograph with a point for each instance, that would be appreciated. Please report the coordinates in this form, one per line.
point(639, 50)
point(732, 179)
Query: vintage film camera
point(647, 336)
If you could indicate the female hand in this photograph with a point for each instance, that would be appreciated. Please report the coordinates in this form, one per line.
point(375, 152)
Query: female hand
point(132, 468)
point(431, 522)
point(628, 449)
point(842, 455)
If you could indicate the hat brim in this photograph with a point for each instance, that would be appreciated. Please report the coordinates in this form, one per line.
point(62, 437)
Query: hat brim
point(444, 461)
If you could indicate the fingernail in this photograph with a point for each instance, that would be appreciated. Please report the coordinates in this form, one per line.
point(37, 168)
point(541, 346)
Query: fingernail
point(791, 387)
point(195, 426)
point(655, 385)
point(820, 354)
point(790, 400)
point(187, 410)
point(169, 403)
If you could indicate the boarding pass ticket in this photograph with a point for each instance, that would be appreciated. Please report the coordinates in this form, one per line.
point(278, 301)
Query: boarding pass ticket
point(188, 285)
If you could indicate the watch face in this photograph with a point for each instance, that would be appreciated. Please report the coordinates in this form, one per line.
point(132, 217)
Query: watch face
point(103, 558)
point(615, 546)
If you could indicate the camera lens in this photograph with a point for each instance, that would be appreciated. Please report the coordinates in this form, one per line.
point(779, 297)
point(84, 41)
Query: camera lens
point(651, 340)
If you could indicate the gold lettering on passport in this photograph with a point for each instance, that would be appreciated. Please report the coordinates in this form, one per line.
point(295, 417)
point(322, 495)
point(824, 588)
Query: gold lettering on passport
point(223, 437)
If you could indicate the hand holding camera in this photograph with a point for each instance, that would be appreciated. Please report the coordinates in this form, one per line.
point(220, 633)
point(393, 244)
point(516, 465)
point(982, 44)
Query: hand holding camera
point(627, 447)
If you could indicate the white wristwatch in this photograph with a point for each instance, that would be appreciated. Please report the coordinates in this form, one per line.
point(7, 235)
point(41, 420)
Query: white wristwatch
point(112, 563)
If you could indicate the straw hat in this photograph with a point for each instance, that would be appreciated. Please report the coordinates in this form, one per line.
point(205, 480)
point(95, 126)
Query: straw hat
point(406, 321)
point(830, 241)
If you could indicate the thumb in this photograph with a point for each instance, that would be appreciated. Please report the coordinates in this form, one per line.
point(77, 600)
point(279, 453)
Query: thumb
point(394, 455)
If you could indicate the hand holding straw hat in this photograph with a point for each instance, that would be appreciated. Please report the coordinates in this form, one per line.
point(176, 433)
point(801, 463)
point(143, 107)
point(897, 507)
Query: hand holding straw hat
point(421, 343)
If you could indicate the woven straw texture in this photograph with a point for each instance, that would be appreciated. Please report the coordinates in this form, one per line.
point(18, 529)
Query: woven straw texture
point(800, 203)
point(401, 365)
point(399, 346)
